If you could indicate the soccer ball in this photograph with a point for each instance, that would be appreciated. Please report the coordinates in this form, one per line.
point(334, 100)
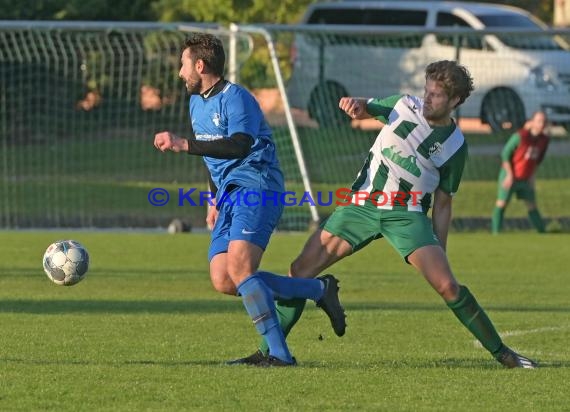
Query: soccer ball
point(66, 262)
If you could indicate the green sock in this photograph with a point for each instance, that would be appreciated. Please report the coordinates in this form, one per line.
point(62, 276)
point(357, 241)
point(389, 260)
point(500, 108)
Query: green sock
point(497, 219)
point(289, 312)
point(474, 318)
point(536, 220)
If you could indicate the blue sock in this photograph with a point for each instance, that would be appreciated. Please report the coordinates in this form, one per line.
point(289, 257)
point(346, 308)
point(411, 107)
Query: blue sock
point(259, 304)
point(284, 287)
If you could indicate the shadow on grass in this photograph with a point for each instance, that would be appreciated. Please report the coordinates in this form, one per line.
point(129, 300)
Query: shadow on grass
point(162, 363)
point(449, 363)
point(102, 272)
point(429, 307)
point(213, 306)
point(119, 306)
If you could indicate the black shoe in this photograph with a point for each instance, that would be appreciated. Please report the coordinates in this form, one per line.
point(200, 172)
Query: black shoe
point(511, 359)
point(271, 361)
point(331, 305)
point(253, 359)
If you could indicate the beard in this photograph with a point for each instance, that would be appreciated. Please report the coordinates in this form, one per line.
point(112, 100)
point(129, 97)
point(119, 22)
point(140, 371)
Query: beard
point(194, 85)
point(435, 115)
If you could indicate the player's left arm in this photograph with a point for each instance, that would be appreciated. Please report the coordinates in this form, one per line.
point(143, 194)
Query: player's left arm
point(543, 152)
point(441, 215)
point(450, 174)
point(212, 212)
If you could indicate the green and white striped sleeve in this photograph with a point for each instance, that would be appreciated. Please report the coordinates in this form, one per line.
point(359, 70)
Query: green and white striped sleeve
point(381, 108)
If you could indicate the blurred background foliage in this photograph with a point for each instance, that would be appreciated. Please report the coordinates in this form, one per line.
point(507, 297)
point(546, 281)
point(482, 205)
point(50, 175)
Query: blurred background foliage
point(219, 11)
point(256, 71)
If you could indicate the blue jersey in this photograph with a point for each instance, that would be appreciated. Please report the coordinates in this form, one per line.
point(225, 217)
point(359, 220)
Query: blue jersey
point(235, 110)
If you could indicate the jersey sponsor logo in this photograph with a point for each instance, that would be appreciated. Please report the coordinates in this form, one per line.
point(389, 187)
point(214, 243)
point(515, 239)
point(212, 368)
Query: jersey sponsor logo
point(216, 118)
point(208, 137)
point(407, 163)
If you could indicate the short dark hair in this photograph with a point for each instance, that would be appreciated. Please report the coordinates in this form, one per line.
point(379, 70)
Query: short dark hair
point(456, 80)
point(209, 49)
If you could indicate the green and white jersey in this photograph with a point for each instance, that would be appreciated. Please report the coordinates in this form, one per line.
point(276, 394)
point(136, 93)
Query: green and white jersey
point(409, 159)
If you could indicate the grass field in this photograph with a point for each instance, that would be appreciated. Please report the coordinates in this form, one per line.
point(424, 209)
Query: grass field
point(145, 331)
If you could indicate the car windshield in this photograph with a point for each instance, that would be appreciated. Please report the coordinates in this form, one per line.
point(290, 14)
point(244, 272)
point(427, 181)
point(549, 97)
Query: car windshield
point(516, 41)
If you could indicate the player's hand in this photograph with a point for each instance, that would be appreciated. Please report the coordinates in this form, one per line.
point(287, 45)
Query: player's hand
point(211, 217)
point(169, 141)
point(355, 108)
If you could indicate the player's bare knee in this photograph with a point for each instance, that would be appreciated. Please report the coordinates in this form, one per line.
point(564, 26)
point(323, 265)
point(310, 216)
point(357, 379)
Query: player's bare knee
point(222, 283)
point(227, 288)
point(240, 269)
point(448, 290)
point(242, 260)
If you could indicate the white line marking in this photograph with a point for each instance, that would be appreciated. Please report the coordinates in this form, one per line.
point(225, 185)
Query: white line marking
point(526, 332)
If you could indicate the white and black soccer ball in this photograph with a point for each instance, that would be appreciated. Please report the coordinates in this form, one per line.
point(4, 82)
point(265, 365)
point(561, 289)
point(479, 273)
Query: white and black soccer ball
point(66, 262)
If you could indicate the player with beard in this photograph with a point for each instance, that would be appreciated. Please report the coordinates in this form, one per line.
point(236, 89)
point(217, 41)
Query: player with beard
point(229, 131)
point(417, 160)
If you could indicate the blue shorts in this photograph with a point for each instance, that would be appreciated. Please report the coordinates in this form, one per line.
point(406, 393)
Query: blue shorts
point(245, 217)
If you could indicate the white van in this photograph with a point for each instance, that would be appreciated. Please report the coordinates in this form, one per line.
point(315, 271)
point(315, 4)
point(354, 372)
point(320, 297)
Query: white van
point(514, 75)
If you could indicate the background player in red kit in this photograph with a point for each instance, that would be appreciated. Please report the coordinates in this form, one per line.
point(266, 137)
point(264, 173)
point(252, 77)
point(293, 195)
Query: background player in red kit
point(520, 159)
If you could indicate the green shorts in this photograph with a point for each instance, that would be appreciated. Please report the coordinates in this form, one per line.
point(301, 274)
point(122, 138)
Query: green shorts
point(522, 188)
point(360, 225)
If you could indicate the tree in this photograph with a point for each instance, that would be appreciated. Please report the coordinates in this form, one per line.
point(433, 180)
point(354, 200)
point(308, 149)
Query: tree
point(219, 11)
point(230, 11)
point(117, 10)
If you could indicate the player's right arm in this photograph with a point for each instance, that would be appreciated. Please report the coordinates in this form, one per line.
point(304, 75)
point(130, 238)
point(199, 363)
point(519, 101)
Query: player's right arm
point(236, 147)
point(164, 141)
point(354, 107)
point(506, 156)
point(362, 108)
point(508, 180)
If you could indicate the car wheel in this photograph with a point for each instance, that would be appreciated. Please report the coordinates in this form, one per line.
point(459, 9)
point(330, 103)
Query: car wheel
point(323, 105)
point(503, 110)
